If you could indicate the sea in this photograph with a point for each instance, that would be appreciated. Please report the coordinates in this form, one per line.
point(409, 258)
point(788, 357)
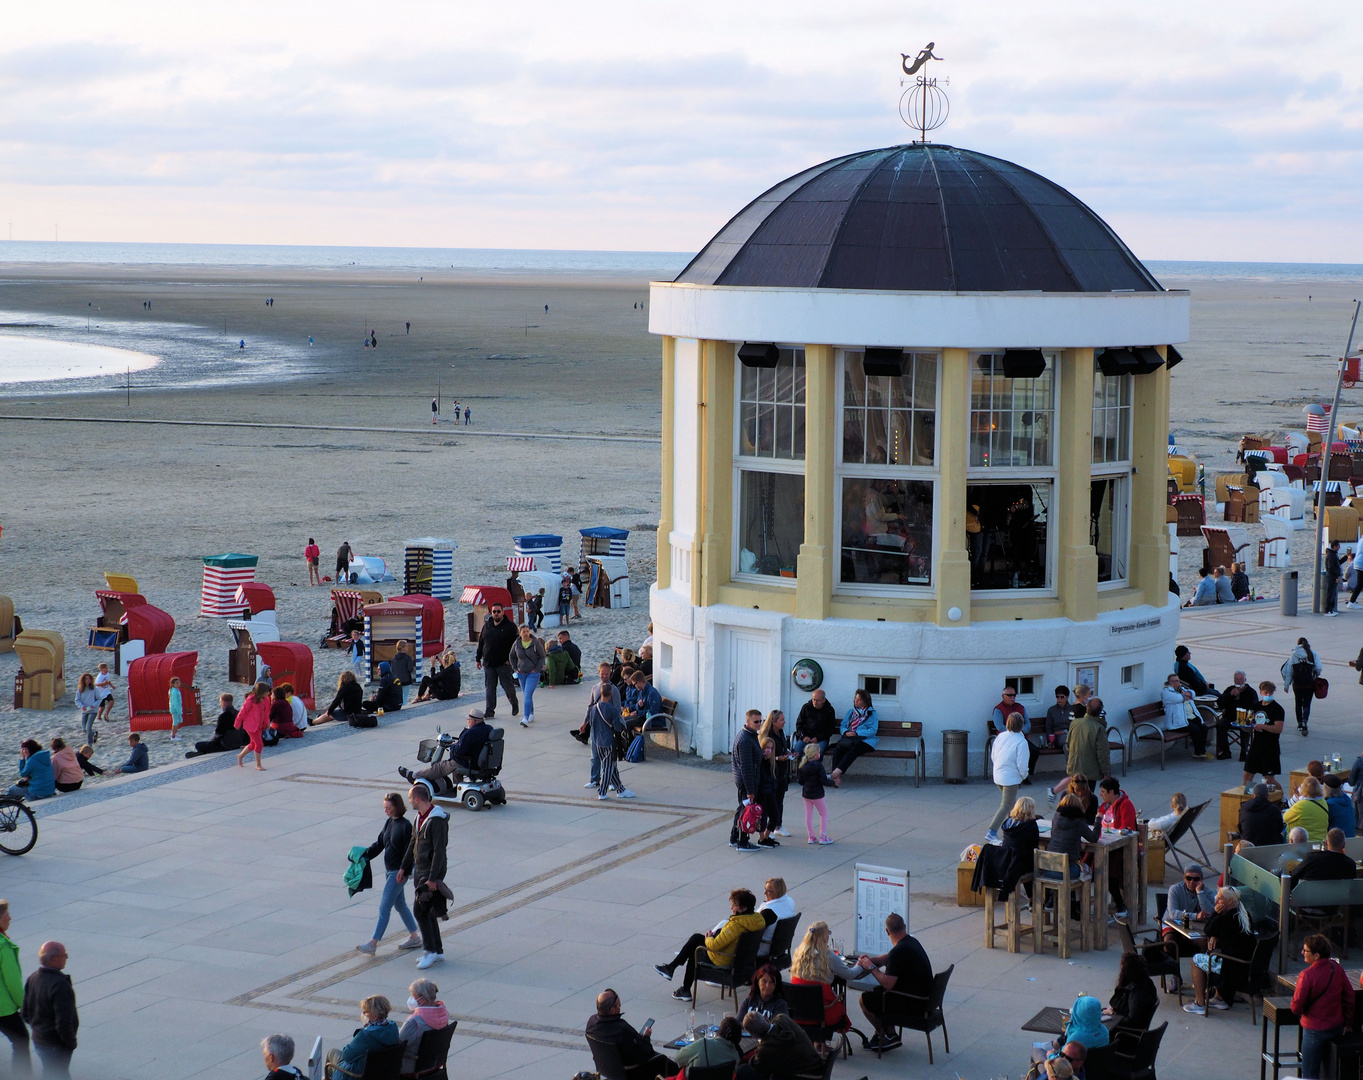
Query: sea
point(40, 348)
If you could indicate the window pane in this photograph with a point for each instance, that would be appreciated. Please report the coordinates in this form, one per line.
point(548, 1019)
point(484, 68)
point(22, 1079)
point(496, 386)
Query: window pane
point(877, 438)
point(854, 381)
point(924, 437)
point(1108, 509)
point(766, 384)
point(925, 380)
point(853, 441)
point(749, 376)
point(784, 420)
point(785, 381)
point(799, 377)
point(766, 430)
point(771, 518)
point(901, 436)
point(1018, 411)
point(747, 429)
point(1006, 531)
point(877, 390)
point(799, 433)
point(887, 531)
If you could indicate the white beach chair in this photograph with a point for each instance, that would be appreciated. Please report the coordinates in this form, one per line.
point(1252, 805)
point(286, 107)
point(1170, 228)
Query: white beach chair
point(1297, 442)
point(1276, 548)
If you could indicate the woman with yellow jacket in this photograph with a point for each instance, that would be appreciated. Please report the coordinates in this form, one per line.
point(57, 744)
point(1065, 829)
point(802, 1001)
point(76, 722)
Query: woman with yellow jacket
point(720, 944)
point(1309, 811)
point(12, 995)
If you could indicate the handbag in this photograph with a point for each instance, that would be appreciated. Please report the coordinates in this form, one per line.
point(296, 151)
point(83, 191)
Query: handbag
point(751, 819)
point(1322, 687)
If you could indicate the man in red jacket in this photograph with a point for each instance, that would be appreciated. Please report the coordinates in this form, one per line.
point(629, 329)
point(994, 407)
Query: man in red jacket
point(1118, 813)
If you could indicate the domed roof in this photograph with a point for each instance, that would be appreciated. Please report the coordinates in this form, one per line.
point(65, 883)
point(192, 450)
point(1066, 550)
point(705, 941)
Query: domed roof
point(920, 218)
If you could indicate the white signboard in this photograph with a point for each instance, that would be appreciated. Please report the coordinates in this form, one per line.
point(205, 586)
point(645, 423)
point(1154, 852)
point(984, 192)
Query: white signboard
point(879, 891)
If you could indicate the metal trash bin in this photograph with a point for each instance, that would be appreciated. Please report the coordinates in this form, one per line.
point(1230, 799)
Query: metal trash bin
point(955, 756)
point(1289, 598)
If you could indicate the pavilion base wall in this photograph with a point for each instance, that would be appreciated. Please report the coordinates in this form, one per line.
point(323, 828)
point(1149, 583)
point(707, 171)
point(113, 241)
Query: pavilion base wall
point(719, 661)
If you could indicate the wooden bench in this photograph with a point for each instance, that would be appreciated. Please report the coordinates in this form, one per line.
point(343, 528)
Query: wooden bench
point(911, 732)
point(665, 722)
point(1150, 719)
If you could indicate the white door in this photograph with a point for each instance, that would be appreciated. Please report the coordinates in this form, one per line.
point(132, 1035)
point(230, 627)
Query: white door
point(747, 680)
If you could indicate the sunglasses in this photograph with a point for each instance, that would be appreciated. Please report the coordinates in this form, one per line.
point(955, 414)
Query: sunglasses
point(1010, 694)
point(1190, 877)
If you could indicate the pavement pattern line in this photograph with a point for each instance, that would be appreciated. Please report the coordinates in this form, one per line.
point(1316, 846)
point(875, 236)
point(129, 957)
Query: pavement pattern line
point(311, 999)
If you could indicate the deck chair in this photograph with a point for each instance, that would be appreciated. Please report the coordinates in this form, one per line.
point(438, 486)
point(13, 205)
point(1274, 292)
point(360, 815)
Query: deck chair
point(7, 631)
point(316, 1061)
point(1183, 827)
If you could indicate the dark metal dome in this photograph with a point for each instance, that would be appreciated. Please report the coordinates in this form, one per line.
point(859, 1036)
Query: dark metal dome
point(920, 218)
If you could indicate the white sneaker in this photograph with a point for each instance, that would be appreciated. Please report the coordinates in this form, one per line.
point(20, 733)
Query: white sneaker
point(781, 831)
point(1196, 1009)
point(590, 783)
point(427, 959)
point(602, 798)
point(626, 794)
point(1218, 1004)
point(1332, 614)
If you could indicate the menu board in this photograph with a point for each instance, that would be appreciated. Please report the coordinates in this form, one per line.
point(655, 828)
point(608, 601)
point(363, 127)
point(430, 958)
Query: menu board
point(879, 890)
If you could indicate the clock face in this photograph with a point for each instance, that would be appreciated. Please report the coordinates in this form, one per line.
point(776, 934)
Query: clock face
point(807, 675)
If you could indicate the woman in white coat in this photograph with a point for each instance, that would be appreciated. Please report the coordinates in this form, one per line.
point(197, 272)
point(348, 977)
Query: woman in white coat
point(1009, 757)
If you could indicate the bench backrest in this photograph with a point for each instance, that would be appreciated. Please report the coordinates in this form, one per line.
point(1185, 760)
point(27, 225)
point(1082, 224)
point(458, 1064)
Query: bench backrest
point(900, 729)
point(1147, 714)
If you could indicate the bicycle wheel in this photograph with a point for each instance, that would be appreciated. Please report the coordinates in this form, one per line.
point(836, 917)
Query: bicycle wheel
point(18, 827)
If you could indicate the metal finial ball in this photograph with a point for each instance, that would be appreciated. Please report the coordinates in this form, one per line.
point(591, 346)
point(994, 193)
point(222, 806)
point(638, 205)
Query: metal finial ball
point(924, 106)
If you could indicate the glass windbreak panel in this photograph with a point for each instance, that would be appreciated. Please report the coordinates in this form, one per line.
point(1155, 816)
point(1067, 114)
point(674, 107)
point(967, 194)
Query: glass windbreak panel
point(1006, 532)
point(1111, 418)
point(1109, 502)
point(771, 522)
point(1010, 419)
point(887, 531)
point(771, 408)
point(890, 419)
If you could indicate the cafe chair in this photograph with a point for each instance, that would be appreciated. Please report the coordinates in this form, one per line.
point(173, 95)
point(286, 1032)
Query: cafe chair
point(382, 1064)
point(1184, 827)
point(1098, 1063)
point(829, 1057)
point(606, 1057)
point(806, 1009)
point(431, 1054)
point(915, 1012)
point(1156, 957)
point(1258, 981)
point(1139, 1062)
point(711, 1072)
point(1059, 891)
point(736, 975)
point(781, 940)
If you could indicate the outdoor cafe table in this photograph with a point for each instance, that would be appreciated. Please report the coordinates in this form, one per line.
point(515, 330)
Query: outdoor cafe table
point(1289, 982)
point(1049, 1021)
point(1112, 845)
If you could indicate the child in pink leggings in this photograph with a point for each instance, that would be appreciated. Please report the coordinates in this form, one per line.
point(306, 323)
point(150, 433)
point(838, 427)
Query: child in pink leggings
point(811, 785)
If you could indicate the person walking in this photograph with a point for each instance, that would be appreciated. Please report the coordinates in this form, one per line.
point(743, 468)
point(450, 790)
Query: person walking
point(528, 660)
point(87, 697)
point(1009, 758)
point(603, 716)
point(312, 555)
point(49, 1010)
point(343, 554)
point(747, 762)
point(253, 718)
point(1333, 573)
point(12, 997)
point(355, 650)
point(812, 790)
point(177, 710)
point(493, 659)
point(426, 863)
point(394, 839)
point(1300, 672)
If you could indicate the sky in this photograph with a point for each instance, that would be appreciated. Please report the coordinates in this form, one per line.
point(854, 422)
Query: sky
point(1216, 130)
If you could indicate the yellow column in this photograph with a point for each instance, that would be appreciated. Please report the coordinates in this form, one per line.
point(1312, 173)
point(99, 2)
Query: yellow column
point(1149, 486)
point(814, 569)
point(953, 433)
point(1077, 562)
point(665, 518)
point(715, 523)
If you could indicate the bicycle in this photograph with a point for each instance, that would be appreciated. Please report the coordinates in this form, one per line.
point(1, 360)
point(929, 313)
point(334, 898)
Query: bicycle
point(18, 826)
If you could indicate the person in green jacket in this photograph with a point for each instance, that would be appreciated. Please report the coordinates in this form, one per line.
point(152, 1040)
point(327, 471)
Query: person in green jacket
point(1087, 748)
point(12, 995)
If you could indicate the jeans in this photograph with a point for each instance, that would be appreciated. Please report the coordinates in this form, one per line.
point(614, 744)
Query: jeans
point(1332, 594)
point(1314, 1044)
point(528, 685)
point(1303, 696)
point(14, 1028)
point(56, 1060)
point(87, 721)
point(492, 676)
point(393, 896)
point(1008, 794)
point(429, 907)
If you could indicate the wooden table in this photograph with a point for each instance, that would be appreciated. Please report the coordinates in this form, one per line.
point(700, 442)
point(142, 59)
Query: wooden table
point(1049, 1021)
point(1112, 845)
point(1289, 982)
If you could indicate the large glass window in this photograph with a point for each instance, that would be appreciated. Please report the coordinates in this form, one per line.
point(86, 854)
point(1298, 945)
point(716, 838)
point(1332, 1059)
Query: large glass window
point(1010, 419)
point(887, 531)
point(771, 405)
point(771, 522)
point(1006, 532)
point(1111, 418)
point(1109, 502)
point(889, 419)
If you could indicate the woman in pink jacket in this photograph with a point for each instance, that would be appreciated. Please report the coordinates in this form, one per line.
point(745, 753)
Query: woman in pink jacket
point(253, 718)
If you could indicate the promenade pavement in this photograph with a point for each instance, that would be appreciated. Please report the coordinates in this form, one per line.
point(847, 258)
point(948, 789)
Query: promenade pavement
point(203, 906)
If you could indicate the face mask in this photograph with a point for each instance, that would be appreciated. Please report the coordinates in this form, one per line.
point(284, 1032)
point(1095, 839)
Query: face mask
point(1266, 698)
point(412, 1003)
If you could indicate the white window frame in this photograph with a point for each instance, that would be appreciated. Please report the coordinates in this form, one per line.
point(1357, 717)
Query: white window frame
point(742, 464)
point(1118, 470)
point(1002, 475)
point(877, 694)
point(923, 473)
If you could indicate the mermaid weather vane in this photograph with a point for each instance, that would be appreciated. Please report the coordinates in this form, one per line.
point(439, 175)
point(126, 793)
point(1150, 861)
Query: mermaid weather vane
point(923, 105)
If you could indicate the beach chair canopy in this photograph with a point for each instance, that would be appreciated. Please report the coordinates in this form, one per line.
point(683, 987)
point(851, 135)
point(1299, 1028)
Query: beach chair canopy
point(255, 595)
point(485, 595)
point(290, 662)
point(257, 630)
point(151, 625)
point(149, 689)
point(121, 582)
point(349, 603)
point(432, 621)
point(520, 564)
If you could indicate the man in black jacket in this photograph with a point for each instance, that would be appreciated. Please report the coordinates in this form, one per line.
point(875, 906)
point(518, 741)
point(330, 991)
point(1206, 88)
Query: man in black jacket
point(818, 720)
point(747, 756)
point(493, 659)
point(784, 1049)
point(425, 863)
point(49, 1010)
point(634, 1047)
point(225, 735)
point(388, 696)
point(1238, 695)
point(463, 755)
point(1261, 821)
point(1328, 865)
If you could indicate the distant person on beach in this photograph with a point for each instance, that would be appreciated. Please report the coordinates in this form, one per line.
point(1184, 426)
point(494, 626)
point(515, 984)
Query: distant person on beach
point(1333, 573)
point(87, 697)
point(104, 687)
point(1206, 590)
point(356, 652)
point(435, 410)
point(313, 555)
point(310, 341)
point(373, 339)
point(137, 758)
point(225, 735)
point(66, 771)
point(36, 779)
point(1224, 593)
point(177, 709)
point(253, 718)
point(409, 325)
point(343, 554)
point(467, 413)
point(241, 344)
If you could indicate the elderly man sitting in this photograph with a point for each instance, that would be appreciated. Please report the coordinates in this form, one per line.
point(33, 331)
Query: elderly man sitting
point(463, 756)
point(1239, 695)
point(278, 1053)
point(1180, 713)
point(634, 1047)
point(784, 1050)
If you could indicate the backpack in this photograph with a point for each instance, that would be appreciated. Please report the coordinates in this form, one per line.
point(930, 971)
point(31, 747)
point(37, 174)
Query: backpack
point(635, 753)
point(751, 819)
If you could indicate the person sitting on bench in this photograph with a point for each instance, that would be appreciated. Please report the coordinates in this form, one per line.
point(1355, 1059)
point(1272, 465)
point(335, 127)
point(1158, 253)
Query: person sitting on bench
point(463, 756)
point(647, 702)
point(1180, 715)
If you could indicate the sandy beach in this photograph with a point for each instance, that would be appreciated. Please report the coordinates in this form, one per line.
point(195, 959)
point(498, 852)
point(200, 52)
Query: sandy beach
point(80, 498)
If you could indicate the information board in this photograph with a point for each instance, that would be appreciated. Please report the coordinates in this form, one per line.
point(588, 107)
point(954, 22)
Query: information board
point(879, 891)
